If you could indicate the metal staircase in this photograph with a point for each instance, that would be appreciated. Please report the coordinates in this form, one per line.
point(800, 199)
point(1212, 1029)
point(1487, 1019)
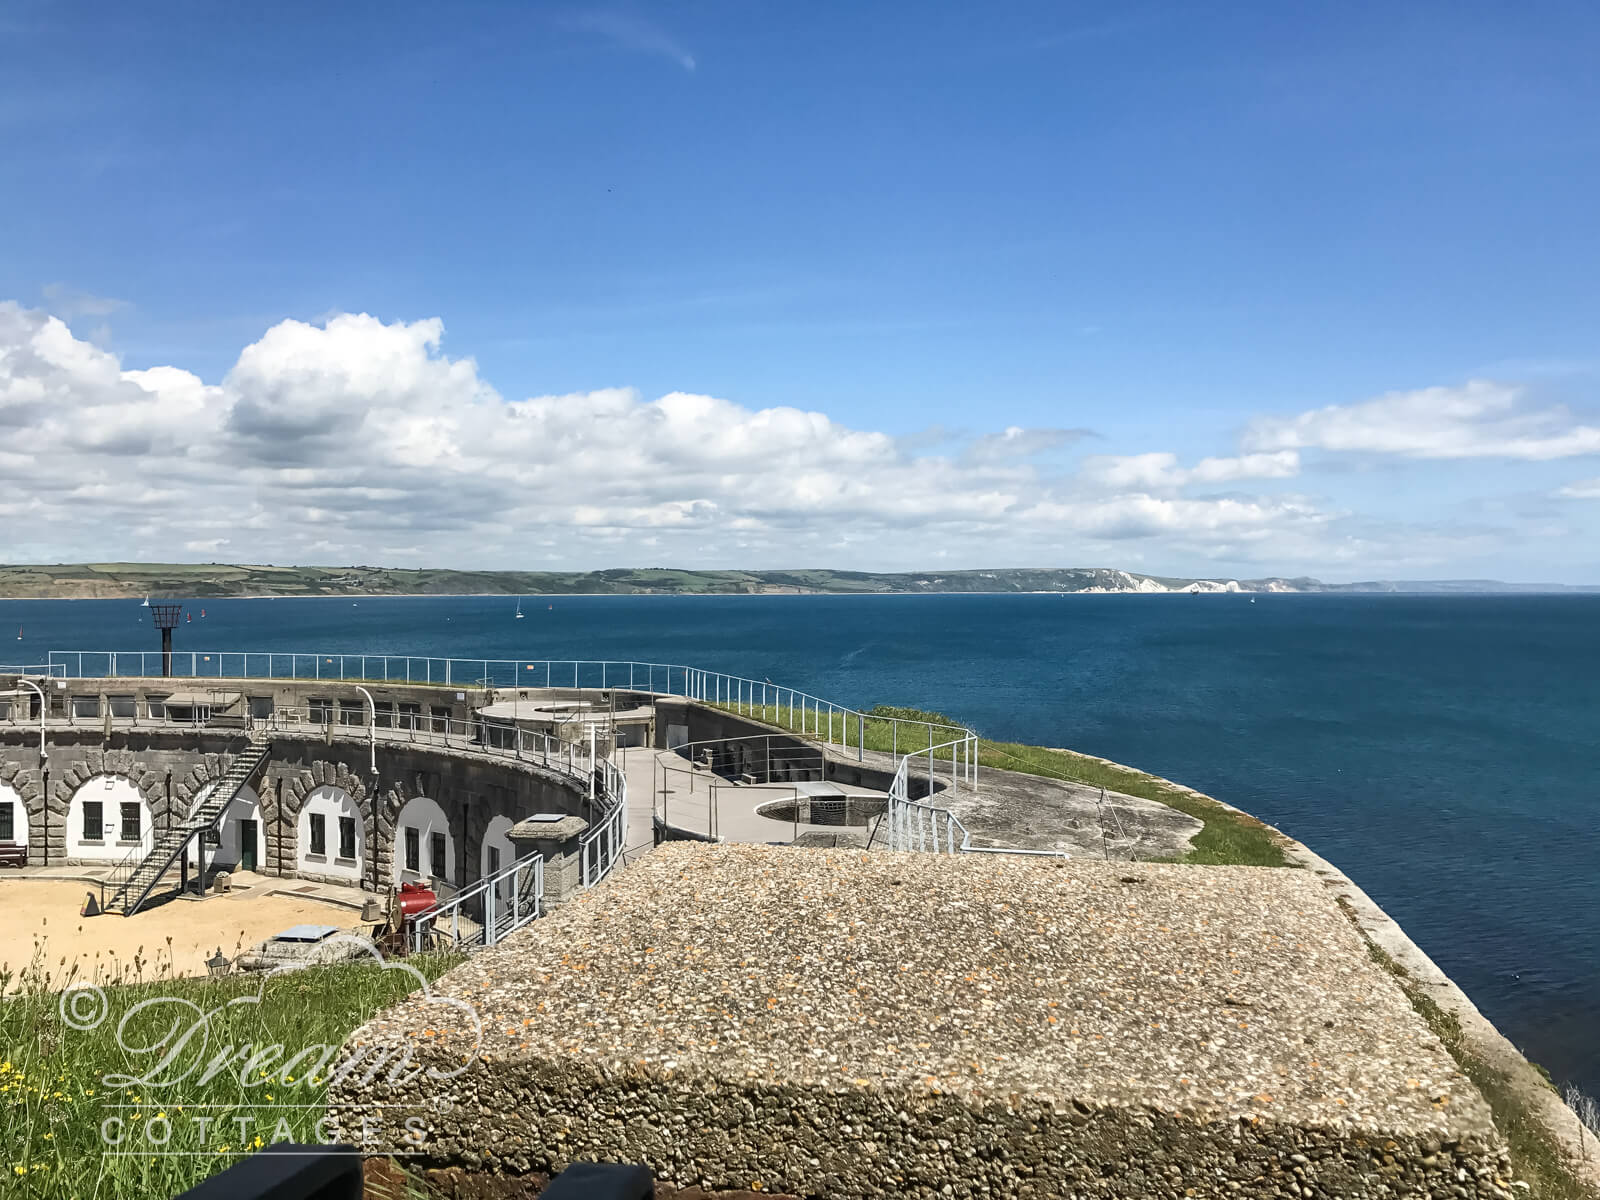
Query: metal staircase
point(171, 843)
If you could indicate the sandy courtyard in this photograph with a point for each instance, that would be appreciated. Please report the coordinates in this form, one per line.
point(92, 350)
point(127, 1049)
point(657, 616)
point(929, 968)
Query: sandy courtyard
point(173, 938)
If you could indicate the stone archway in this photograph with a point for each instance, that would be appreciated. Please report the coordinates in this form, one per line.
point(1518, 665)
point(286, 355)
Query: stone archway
point(290, 794)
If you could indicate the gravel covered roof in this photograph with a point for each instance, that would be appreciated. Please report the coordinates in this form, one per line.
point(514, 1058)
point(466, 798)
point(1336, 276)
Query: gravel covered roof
point(1217, 991)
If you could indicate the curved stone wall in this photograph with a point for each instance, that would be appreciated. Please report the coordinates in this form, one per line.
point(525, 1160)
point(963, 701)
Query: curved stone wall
point(468, 796)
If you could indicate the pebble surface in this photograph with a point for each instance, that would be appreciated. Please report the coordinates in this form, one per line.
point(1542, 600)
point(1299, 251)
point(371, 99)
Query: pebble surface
point(900, 1013)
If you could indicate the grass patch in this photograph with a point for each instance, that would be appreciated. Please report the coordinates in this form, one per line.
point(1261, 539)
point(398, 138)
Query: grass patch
point(1228, 838)
point(59, 1083)
point(1536, 1157)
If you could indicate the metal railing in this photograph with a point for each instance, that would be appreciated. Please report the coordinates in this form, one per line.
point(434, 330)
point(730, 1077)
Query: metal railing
point(173, 842)
point(338, 666)
point(28, 669)
point(485, 912)
point(913, 825)
point(790, 708)
point(479, 734)
point(601, 849)
point(823, 721)
point(719, 757)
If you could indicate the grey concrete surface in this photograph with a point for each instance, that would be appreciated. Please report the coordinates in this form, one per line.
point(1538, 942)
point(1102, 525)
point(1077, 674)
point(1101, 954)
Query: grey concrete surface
point(845, 1024)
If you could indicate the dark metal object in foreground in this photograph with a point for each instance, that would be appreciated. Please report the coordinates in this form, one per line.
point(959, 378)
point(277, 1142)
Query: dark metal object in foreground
point(287, 1172)
point(290, 1172)
point(601, 1181)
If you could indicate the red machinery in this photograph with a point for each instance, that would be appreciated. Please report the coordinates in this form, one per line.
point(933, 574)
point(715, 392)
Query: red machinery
point(413, 899)
point(392, 930)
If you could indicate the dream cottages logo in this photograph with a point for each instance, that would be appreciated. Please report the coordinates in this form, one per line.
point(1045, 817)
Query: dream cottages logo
point(216, 1081)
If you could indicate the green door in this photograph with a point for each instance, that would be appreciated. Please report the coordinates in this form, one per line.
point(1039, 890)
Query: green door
point(247, 845)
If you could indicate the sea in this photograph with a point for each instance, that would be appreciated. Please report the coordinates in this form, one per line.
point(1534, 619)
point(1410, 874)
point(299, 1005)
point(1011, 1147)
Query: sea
point(1441, 750)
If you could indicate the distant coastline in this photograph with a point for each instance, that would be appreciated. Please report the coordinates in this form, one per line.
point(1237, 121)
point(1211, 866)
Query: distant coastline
point(208, 581)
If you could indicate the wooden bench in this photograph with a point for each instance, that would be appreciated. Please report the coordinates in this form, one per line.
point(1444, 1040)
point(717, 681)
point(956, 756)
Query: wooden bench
point(13, 855)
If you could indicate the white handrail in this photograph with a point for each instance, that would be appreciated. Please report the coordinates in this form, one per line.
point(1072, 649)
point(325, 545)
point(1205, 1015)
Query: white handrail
point(796, 710)
point(480, 735)
point(525, 904)
point(600, 849)
point(917, 826)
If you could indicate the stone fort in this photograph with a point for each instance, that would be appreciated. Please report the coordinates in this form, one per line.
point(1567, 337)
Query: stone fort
point(873, 991)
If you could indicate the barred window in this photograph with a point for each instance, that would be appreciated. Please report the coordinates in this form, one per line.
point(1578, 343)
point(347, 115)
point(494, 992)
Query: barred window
point(413, 850)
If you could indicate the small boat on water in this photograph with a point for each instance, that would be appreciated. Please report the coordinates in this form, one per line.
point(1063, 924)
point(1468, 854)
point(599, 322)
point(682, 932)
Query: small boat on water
point(519, 608)
point(145, 603)
point(19, 633)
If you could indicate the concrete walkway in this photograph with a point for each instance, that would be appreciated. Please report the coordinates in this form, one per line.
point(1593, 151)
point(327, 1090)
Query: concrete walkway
point(692, 794)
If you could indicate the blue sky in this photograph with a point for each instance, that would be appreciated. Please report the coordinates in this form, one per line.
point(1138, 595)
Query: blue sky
point(1124, 231)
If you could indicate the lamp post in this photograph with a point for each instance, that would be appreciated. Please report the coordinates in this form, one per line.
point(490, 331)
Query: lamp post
point(39, 691)
point(372, 728)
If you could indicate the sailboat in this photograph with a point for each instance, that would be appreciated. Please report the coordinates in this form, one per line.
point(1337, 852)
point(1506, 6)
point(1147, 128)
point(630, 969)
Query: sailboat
point(145, 603)
point(519, 608)
point(19, 633)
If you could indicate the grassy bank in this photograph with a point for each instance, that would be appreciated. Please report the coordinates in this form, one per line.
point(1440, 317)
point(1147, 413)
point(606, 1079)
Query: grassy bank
point(1228, 837)
point(72, 1129)
point(1536, 1156)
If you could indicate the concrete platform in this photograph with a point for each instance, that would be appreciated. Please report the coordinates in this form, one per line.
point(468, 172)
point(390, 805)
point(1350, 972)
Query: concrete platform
point(846, 1024)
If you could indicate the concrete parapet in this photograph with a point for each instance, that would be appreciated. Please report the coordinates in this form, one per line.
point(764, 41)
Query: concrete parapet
point(554, 837)
point(843, 1024)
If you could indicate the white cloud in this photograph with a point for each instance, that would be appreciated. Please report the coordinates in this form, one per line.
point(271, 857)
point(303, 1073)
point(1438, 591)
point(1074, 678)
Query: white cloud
point(1583, 489)
point(1478, 420)
point(360, 440)
point(73, 302)
point(1160, 471)
point(631, 33)
point(1015, 442)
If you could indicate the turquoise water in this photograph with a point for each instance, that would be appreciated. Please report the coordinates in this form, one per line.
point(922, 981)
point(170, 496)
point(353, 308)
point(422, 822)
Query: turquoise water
point(1441, 750)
